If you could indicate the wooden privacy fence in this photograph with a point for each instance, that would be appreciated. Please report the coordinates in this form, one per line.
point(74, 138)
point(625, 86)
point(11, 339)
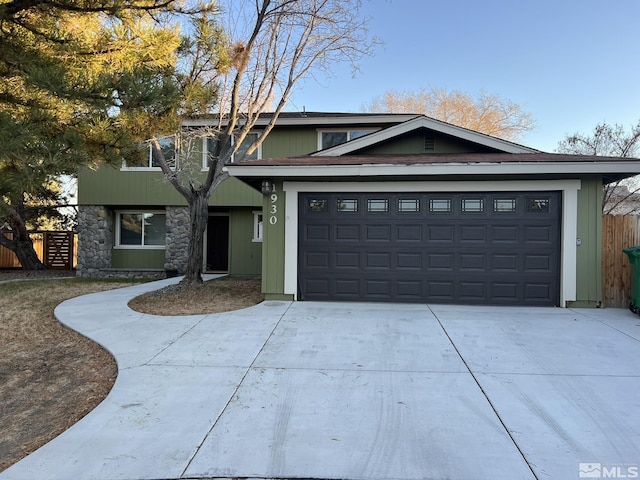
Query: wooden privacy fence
point(618, 232)
point(57, 250)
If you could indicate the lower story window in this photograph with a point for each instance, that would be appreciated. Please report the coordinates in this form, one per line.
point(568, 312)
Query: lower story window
point(141, 229)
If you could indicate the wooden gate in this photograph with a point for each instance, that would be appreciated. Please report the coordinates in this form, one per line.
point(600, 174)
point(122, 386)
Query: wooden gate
point(58, 250)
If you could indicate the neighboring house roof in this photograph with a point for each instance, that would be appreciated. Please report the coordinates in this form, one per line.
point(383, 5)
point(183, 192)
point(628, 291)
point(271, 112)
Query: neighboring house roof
point(421, 122)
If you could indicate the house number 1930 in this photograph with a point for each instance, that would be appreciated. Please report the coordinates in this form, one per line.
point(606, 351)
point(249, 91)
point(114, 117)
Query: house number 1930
point(273, 209)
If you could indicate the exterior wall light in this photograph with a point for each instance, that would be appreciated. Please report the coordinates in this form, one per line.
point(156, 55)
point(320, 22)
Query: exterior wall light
point(267, 187)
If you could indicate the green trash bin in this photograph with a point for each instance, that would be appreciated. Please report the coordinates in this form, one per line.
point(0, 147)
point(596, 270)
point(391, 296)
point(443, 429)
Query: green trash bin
point(634, 260)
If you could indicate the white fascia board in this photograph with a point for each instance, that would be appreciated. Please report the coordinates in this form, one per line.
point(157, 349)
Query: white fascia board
point(431, 124)
point(569, 228)
point(383, 170)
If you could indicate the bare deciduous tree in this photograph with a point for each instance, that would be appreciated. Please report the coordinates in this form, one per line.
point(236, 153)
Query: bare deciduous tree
point(489, 114)
point(623, 196)
point(271, 45)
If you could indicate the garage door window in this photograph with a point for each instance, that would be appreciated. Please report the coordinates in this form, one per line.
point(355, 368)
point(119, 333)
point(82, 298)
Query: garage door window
point(472, 205)
point(440, 205)
point(537, 205)
point(317, 205)
point(378, 206)
point(347, 205)
point(408, 205)
point(504, 205)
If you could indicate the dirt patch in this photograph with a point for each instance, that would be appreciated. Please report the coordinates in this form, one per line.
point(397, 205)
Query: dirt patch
point(215, 296)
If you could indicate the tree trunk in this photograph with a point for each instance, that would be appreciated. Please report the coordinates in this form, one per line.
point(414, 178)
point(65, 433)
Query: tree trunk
point(198, 215)
point(27, 255)
point(21, 243)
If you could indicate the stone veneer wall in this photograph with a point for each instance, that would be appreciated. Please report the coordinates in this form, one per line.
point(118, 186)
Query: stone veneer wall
point(95, 240)
point(95, 243)
point(178, 227)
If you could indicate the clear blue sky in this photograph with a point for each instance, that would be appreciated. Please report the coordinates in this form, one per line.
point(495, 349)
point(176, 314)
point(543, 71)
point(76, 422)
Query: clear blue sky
point(570, 63)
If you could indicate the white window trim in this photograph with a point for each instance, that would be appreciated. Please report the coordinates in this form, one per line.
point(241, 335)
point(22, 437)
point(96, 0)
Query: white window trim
point(258, 226)
point(569, 222)
point(118, 246)
point(205, 150)
point(340, 130)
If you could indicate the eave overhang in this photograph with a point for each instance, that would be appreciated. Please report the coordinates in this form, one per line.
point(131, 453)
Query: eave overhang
point(624, 168)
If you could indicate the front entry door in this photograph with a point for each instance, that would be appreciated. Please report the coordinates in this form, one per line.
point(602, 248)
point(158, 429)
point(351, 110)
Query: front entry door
point(218, 244)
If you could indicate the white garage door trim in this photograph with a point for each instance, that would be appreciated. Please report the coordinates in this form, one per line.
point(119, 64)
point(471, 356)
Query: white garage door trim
point(569, 189)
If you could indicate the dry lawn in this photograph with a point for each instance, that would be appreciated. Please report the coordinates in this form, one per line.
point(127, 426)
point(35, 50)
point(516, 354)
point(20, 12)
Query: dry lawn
point(51, 377)
point(215, 296)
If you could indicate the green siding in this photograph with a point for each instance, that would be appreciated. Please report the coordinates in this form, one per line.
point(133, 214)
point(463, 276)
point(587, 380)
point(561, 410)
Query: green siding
point(589, 253)
point(245, 255)
point(290, 142)
point(273, 244)
point(235, 193)
point(111, 186)
point(137, 258)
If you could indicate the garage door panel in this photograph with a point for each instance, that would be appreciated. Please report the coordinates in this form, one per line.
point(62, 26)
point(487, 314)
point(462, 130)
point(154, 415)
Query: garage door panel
point(408, 289)
point(473, 233)
point(347, 233)
point(472, 291)
point(506, 254)
point(537, 263)
point(537, 234)
point(377, 233)
point(317, 286)
point(504, 291)
point(504, 263)
point(506, 234)
point(378, 260)
point(536, 291)
point(378, 288)
point(440, 261)
point(347, 260)
point(316, 260)
point(473, 261)
point(409, 260)
point(317, 232)
point(440, 290)
point(409, 233)
point(346, 288)
point(440, 233)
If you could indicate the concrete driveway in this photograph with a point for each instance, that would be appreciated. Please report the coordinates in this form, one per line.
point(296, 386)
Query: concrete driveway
point(355, 391)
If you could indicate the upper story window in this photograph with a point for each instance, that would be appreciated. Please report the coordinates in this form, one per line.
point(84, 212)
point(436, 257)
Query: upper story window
point(331, 138)
point(146, 160)
point(241, 155)
point(141, 230)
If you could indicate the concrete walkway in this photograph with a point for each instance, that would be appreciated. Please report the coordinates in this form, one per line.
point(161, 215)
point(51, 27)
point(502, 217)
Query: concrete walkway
point(354, 391)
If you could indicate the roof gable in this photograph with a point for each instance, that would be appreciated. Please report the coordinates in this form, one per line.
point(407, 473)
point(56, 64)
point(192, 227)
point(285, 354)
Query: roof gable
point(423, 122)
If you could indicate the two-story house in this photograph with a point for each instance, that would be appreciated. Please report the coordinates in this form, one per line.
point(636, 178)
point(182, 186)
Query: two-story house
point(369, 207)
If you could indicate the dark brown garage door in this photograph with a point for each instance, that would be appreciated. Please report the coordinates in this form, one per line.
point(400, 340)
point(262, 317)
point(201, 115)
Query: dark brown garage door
point(468, 248)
